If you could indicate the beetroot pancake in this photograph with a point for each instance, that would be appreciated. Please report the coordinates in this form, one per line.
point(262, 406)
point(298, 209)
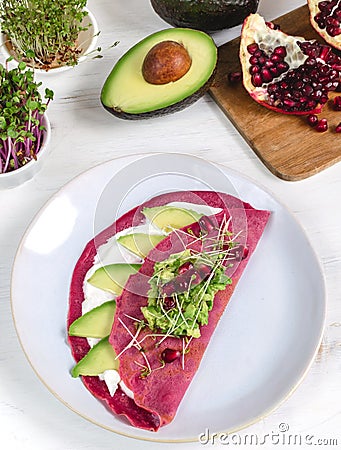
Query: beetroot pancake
point(157, 396)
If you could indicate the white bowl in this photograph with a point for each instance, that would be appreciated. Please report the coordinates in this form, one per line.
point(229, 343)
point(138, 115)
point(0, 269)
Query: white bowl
point(87, 40)
point(19, 176)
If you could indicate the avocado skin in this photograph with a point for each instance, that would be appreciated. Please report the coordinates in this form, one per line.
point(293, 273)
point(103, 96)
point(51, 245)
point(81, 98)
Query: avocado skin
point(167, 109)
point(205, 15)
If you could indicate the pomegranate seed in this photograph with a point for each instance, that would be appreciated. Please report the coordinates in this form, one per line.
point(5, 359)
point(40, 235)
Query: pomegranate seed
point(257, 80)
point(274, 71)
point(261, 60)
point(289, 103)
point(311, 104)
point(323, 5)
point(234, 77)
point(183, 281)
point(282, 67)
point(338, 128)
point(322, 126)
point(320, 20)
point(254, 69)
point(316, 95)
point(280, 51)
point(206, 224)
point(298, 85)
point(276, 58)
point(273, 88)
point(307, 90)
point(168, 303)
point(253, 60)
point(252, 48)
point(269, 63)
point(266, 75)
point(169, 355)
point(332, 22)
point(333, 31)
point(312, 119)
point(259, 53)
point(187, 265)
point(245, 252)
point(325, 52)
point(337, 103)
point(324, 80)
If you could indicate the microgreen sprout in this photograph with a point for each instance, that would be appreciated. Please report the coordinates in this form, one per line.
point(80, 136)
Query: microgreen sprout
point(44, 32)
point(21, 117)
point(184, 285)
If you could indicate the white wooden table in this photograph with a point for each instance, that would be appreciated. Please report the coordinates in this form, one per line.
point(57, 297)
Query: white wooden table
point(84, 135)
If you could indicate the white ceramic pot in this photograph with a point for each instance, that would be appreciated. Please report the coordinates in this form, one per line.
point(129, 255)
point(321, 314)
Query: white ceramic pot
point(19, 176)
point(87, 41)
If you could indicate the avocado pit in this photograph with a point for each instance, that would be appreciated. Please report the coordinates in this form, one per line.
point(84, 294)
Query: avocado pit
point(126, 93)
point(166, 62)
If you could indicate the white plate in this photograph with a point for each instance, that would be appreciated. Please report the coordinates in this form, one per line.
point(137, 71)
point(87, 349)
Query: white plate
point(265, 342)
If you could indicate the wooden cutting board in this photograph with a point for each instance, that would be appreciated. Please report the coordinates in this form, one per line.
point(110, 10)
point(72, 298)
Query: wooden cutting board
point(287, 145)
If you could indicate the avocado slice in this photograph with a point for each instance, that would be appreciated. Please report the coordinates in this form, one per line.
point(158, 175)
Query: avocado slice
point(112, 278)
point(100, 358)
point(168, 218)
point(96, 323)
point(126, 93)
point(204, 15)
point(140, 243)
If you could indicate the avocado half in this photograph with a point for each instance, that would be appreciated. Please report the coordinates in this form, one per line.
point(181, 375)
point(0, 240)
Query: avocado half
point(206, 15)
point(127, 95)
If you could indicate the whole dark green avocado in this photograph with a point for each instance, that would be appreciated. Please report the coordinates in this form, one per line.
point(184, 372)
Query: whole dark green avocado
point(205, 15)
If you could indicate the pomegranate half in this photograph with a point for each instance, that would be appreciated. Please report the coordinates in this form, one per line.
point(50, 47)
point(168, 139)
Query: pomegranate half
point(286, 73)
point(325, 18)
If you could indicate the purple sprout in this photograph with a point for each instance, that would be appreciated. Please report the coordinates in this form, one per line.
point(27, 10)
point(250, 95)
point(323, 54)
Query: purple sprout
point(21, 114)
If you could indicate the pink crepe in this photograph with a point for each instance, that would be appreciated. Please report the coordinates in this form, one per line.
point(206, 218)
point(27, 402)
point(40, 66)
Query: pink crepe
point(157, 396)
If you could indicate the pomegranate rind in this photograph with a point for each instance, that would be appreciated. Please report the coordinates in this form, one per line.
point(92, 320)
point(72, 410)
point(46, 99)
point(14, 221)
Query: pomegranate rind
point(334, 41)
point(256, 30)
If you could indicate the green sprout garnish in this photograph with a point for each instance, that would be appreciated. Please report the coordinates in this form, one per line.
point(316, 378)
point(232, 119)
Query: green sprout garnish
point(44, 32)
point(178, 305)
point(21, 116)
